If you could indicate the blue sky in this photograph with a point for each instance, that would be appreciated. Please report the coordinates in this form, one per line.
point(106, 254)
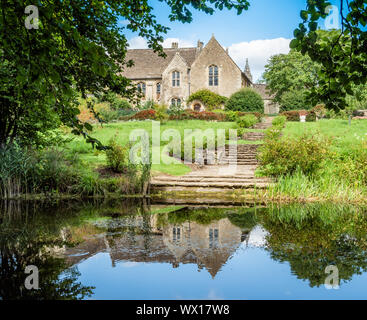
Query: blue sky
point(265, 29)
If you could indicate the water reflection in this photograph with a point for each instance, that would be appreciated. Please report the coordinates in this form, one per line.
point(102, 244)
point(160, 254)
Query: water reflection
point(61, 238)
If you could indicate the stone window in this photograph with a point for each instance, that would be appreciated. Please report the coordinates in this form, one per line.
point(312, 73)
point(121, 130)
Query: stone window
point(213, 76)
point(175, 102)
point(141, 88)
point(176, 234)
point(158, 89)
point(175, 79)
point(213, 238)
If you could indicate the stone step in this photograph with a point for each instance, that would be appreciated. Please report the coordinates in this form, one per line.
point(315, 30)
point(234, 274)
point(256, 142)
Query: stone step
point(248, 179)
point(211, 184)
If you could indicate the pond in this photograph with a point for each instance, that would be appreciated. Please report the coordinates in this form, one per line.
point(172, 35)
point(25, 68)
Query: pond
point(131, 249)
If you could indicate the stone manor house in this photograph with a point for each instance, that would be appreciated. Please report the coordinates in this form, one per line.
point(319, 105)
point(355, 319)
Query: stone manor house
point(173, 79)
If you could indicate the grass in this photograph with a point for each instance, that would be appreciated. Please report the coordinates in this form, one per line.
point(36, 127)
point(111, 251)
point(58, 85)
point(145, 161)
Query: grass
point(121, 130)
point(343, 136)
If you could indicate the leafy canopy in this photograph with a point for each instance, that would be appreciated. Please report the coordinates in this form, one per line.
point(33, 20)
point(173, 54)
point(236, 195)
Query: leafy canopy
point(342, 53)
point(79, 48)
point(289, 77)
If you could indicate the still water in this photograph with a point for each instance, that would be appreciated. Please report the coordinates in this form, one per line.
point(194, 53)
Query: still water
point(134, 250)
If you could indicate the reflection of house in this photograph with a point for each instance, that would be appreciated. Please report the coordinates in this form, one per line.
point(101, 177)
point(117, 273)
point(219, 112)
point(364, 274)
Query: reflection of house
point(208, 246)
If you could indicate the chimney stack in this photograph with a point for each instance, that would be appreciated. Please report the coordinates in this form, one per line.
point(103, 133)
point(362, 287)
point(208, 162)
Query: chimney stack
point(200, 45)
point(174, 45)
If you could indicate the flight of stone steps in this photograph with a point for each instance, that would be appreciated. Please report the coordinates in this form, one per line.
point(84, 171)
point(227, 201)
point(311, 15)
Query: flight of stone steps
point(257, 135)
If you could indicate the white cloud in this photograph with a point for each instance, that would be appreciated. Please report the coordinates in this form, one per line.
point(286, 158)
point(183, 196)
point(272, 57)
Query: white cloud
point(258, 52)
point(138, 43)
point(141, 43)
point(182, 43)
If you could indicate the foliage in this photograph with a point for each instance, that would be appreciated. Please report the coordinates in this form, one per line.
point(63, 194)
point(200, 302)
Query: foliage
point(161, 113)
point(144, 115)
point(117, 156)
point(341, 52)
point(82, 49)
point(210, 99)
point(245, 100)
point(294, 100)
point(279, 121)
point(289, 76)
point(284, 156)
point(319, 110)
point(291, 115)
point(195, 115)
point(247, 121)
point(116, 102)
point(311, 116)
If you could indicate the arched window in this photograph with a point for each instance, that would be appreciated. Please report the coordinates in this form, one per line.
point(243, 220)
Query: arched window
point(158, 89)
point(175, 102)
point(141, 88)
point(213, 76)
point(175, 79)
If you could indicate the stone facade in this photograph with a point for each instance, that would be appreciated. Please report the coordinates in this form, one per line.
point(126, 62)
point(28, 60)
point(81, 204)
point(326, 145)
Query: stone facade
point(184, 71)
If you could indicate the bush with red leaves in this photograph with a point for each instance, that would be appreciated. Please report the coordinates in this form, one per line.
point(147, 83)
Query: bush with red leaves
point(144, 115)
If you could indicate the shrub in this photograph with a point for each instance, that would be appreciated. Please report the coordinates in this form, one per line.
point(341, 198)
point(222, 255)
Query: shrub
point(279, 121)
point(284, 156)
point(245, 100)
point(291, 115)
point(115, 101)
point(161, 113)
point(144, 115)
point(247, 121)
point(117, 156)
point(319, 110)
point(210, 99)
point(311, 116)
point(194, 115)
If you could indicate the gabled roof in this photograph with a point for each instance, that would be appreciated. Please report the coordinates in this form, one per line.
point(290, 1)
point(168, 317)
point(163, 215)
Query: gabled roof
point(147, 63)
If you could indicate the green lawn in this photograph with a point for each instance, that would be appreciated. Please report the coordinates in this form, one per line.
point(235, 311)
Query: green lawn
point(343, 135)
point(121, 131)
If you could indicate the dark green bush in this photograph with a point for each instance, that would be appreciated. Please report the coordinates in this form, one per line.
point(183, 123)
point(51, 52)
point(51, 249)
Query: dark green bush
point(210, 99)
point(245, 100)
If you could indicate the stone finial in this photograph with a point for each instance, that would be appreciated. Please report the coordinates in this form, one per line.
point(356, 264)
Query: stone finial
point(174, 45)
point(247, 70)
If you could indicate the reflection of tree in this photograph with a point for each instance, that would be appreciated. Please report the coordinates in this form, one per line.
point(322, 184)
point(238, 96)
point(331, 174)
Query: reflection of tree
point(28, 239)
point(310, 242)
point(244, 218)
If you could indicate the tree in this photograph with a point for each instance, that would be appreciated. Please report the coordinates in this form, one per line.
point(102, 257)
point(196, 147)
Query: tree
point(246, 100)
point(77, 47)
point(342, 52)
point(289, 77)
